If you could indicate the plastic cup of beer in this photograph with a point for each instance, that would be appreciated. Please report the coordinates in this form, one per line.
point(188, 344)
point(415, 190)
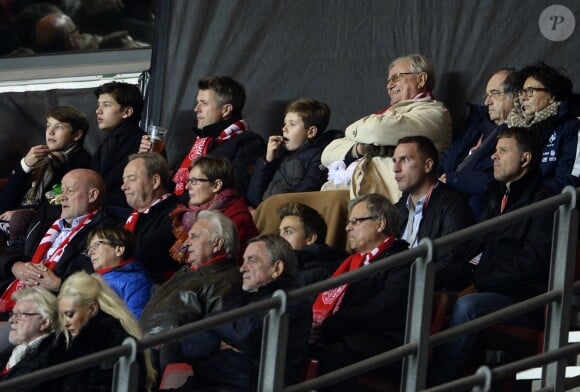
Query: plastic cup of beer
point(157, 135)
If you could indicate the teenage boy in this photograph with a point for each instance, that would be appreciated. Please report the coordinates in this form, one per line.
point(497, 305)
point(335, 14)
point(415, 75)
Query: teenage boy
point(119, 107)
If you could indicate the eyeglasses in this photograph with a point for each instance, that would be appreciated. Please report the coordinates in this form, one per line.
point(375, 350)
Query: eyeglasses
point(357, 221)
point(495, 94)
point(194, 181)
point(531, 91)
point(21, 315)
point(398, 76)
point(95, 245)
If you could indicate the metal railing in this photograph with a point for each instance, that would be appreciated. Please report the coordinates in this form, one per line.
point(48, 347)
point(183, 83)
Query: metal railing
point(417, 340)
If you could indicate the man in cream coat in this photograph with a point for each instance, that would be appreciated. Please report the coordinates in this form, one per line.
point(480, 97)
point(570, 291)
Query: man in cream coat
point(413, 111)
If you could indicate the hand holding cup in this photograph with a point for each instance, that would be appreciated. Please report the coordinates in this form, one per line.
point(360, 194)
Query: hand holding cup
point(156, 138)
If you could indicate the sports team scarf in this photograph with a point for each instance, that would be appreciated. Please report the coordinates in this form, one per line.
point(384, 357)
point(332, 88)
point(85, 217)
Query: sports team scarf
point(185, 217)
point(131, 222)
point(200, 147)
point(41, 256)
point(328, 302)
point(44, 173)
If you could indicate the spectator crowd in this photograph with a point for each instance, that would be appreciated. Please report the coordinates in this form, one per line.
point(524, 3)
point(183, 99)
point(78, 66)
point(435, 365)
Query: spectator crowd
point(98, 248)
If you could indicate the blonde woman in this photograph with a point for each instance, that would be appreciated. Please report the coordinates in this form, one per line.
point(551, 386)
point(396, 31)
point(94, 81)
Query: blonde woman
point(94, 318)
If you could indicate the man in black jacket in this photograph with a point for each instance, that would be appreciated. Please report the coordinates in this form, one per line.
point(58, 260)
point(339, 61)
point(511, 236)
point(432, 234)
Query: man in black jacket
point(221, 130)
point(147, 186)
point(429, 208)
point(510, 264)
point(364, 318)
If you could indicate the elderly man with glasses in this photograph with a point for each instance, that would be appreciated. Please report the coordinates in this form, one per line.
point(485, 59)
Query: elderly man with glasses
point(33, 323)
point(467, 166)
point(412, 110)
point(357, 320)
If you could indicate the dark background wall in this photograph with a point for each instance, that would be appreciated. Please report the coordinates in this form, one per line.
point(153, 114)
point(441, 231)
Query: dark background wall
point(336, 51)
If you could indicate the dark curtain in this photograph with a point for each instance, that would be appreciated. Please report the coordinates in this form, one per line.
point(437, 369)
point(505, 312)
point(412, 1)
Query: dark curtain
point(338, 51)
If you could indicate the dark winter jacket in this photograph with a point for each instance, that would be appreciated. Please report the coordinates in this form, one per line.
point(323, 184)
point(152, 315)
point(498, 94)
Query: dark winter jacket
point(111, 158)
point(100, 333)
point(470, 174)
point(242, 150)
point(317, 262)
point(239, 369)
point(516, 258)
point(297, 171)
point(373, 310)
point(46, 354)
point(560, 161)
point(154, 238)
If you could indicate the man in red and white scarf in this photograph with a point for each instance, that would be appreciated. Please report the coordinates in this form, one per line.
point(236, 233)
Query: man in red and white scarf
point(147, 186)
point(59, 251)
point(357, 320)
point(221, 130)
point(412, 111)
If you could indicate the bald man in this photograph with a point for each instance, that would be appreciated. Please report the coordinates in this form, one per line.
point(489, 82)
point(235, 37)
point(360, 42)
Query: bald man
point(53, 250)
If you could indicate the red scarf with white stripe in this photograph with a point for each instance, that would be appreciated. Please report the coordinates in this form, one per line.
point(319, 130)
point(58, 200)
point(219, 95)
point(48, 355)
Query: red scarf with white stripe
point(41, 256)
point(328, 302)
point(131, 222)
point(201, 147)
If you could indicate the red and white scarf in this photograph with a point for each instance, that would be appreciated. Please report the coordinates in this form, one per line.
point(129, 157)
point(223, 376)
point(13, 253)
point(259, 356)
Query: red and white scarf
point(131, 222)
point(201, 147)
point(328, 302)
point(41, 256)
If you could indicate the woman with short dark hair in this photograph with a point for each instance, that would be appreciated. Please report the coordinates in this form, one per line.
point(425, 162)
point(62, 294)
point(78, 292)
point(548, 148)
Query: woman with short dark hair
point(543, 107)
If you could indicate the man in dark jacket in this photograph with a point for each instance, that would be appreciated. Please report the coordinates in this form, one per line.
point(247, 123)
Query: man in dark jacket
point(210, 278)
point(305, 230)
point(429, 208)
point(55, 249)
point(466, 165)
point(227, 357)
point(119, 107)
point(364, 318)
point(221, 130)
point(147, 186)
point(509, 264)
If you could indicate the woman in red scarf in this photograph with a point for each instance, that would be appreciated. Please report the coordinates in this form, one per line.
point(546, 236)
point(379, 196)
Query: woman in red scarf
point(211, 186)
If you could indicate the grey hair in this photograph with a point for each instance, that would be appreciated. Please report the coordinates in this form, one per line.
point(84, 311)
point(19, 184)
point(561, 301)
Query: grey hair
point(222, 227)
point(379, 207)
point(278, 249)
point(419, 63)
